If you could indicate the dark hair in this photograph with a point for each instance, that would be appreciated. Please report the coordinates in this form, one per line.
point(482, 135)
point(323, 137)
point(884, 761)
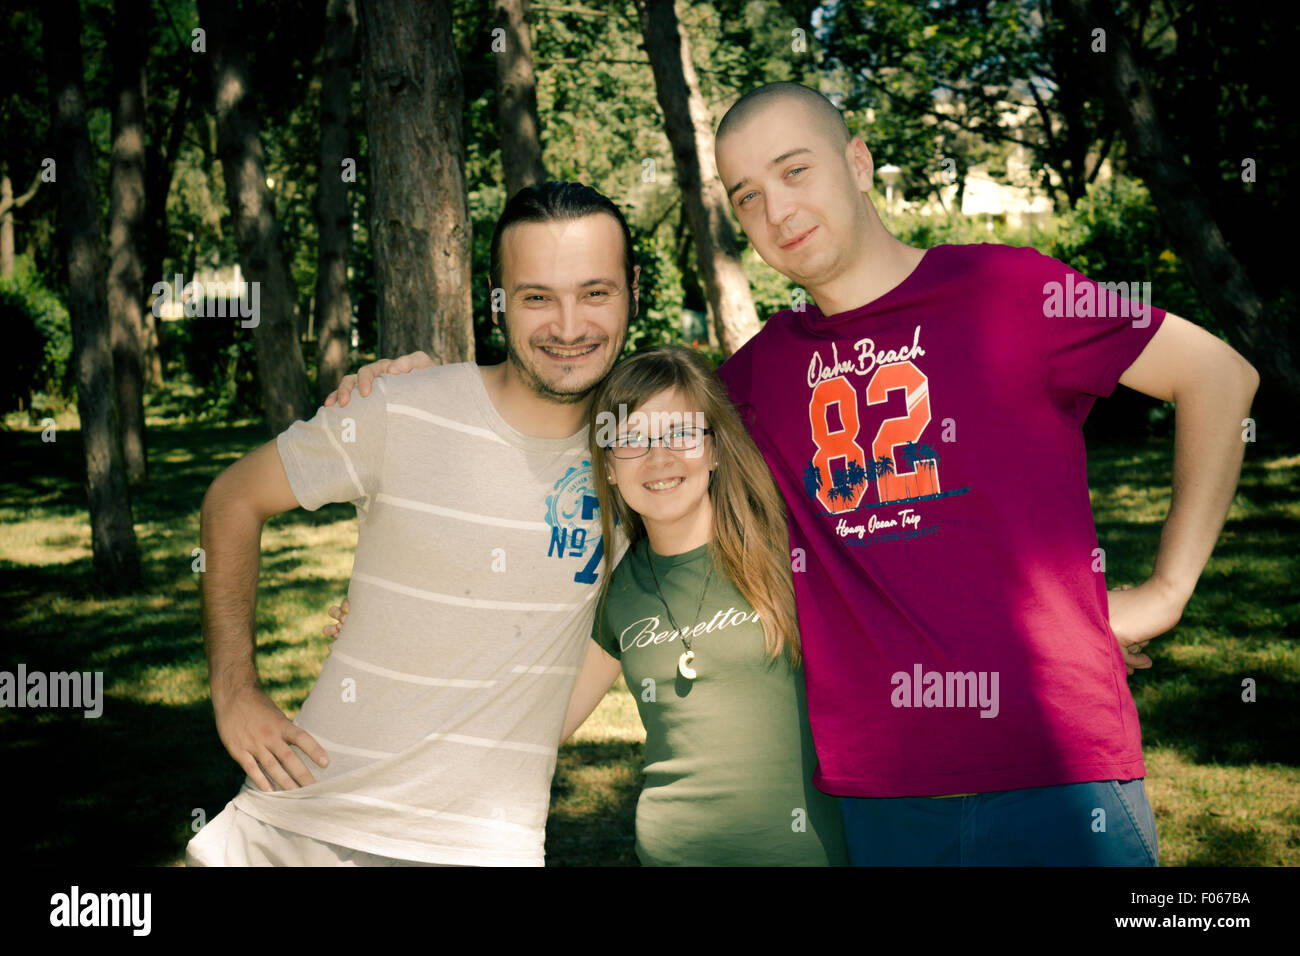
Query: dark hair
point(551, 201)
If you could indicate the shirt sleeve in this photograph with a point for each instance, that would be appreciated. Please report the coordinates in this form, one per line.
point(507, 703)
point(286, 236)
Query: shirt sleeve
point(601, 632)
point(338, 454)
point(1087, 332)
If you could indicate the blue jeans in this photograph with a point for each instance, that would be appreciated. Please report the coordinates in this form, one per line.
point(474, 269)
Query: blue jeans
point(1101, 823)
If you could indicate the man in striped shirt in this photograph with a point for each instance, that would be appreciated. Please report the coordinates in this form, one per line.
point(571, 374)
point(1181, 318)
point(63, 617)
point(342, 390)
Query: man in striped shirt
point(434, 725)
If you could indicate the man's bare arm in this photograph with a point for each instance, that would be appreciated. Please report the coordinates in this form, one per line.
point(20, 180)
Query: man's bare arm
point(1211, 387)
point(254, 731)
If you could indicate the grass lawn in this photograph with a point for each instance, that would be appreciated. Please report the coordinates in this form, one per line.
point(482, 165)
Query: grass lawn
point(1222, 774)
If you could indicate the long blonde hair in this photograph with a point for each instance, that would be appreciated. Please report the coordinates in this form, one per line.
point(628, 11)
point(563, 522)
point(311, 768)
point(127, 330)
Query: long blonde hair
point(750, 541)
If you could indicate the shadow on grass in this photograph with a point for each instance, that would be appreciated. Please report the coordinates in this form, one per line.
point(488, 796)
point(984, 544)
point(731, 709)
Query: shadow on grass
point(119, 790)
point(183, 460)
point(594, 826)
point(1196, 705)
point(1224, 842)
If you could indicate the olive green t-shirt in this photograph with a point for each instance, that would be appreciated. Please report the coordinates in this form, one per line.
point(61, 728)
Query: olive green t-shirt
point(729, 756)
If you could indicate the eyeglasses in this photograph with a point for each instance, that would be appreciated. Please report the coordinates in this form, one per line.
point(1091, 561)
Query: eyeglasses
point(679, 439)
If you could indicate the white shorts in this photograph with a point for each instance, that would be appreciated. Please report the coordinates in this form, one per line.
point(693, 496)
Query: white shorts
point(233, 838)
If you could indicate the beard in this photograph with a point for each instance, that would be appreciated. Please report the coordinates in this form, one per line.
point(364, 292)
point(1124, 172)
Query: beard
point(554, 392)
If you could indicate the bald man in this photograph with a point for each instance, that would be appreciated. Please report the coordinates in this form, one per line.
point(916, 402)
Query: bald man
point(966, 666)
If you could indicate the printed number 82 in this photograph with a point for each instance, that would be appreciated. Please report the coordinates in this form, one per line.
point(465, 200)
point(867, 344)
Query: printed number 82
point(902, 430)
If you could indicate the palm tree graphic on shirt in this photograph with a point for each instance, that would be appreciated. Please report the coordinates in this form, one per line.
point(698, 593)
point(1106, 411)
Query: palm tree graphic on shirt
point(918, 457)
point(812, 480)
point(845, 482)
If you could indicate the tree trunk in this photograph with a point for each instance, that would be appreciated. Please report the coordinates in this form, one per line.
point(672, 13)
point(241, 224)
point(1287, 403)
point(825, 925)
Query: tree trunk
point(1219, 276)
point(333, 211)
point(116, 559)
point(280, 366)
point(158, 178)
point(6, 225)
point(521, 144)
point(420, 226)
point(8, 203)
point(686, 121)
point(128, 44)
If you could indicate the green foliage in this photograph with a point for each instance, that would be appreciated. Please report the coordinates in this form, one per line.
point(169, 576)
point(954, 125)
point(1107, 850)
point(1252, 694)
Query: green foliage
point(926, 231)
point(772, 291)
point(928, 82)
point(1114, 234)
point(219, 357)
point(659, 317)
point(39, 349)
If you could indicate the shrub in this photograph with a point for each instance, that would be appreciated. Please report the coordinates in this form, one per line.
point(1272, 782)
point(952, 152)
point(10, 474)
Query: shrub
point(39, 348)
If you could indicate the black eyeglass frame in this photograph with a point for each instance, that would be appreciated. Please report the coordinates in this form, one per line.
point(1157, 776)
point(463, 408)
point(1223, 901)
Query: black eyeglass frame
point(613, 448)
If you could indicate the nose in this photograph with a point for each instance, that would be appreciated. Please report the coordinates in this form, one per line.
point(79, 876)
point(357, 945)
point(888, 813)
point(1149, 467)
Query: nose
point(569, 324)
point(779, 206)
point(658, 452)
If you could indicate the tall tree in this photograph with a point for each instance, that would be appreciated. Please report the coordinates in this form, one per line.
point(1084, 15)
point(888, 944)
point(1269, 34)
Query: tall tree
point(520, 128)
point(686, 120)
point(280, 365)
point(127, 45)
point(420, 226)
point(115, 556)
point(333, 209)
point(1219, 275)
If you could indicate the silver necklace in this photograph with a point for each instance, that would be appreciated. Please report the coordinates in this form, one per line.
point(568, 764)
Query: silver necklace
point(687, 656)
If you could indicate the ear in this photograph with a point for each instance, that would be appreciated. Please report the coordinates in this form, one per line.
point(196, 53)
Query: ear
point(860, 163)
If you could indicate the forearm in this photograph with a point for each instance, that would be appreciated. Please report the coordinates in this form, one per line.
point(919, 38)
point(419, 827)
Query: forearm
point(599, 671)
point(230, 535)
point(1208, 451)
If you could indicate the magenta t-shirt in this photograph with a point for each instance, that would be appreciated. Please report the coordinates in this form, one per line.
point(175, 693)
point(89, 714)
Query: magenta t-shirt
point(951, 603)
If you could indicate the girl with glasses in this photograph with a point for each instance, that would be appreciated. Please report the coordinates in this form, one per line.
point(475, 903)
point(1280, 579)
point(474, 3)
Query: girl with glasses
point(699, 616)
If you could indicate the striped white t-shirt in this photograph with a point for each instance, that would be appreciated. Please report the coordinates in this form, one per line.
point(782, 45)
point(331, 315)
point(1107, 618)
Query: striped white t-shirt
point(472, 597)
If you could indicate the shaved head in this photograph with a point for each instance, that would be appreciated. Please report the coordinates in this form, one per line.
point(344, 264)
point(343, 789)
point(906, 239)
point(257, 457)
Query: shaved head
point(819, 110)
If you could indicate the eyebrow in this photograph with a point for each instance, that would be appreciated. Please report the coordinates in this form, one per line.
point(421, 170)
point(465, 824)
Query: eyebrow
point(520, 287)
point(776, 162)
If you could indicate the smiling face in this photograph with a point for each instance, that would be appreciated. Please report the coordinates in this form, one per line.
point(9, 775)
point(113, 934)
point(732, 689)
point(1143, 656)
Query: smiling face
point(567, 303)
point(800, 200)
point(668, 489)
